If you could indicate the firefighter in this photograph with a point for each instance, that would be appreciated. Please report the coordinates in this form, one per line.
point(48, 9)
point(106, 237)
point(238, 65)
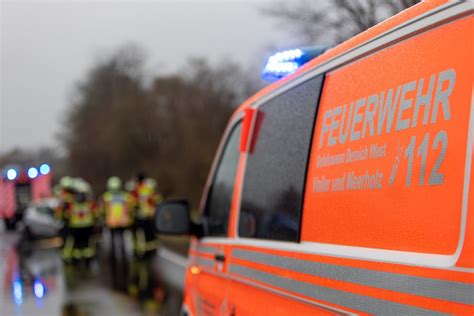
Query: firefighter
point(116, 207)
point(145, 198)
point(65, 195)
point(80, 218)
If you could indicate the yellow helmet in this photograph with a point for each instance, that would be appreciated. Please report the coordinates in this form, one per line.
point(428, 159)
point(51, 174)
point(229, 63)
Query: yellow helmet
point(82, 186)
point(114, 183)
point(130, 185)
point(150, 183)
point(66, 182)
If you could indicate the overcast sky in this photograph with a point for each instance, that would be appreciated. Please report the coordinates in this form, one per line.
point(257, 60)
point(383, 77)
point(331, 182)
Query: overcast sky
point(46, 47)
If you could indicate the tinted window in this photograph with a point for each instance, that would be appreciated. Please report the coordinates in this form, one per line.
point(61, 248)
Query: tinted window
point(275, 172)
point(220, 194)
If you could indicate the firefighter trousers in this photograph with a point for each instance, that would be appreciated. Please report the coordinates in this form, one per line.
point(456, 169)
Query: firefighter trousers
point(117, 242)
point(144, 237)
point(79, 244)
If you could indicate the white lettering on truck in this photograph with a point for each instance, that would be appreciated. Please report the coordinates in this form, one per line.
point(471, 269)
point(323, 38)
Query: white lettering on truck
point(368, 115)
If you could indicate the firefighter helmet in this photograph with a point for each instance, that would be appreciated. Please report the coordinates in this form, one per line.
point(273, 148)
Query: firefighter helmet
point(150, 182)
point(130, 185)
point(114, 184)
point(81, 186)
point(66, 182)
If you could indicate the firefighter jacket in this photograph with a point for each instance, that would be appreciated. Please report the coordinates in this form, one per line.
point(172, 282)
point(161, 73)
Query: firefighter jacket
point(117, 207)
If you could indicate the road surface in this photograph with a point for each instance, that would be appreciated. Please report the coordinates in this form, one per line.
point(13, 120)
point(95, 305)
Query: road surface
point(34, 281)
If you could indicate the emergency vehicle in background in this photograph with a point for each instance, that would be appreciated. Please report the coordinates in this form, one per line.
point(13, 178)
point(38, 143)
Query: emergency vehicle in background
point(19, 187)
point(347, 186)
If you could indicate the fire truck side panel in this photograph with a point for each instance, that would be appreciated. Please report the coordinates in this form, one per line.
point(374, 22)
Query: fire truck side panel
point(7, 200)
point(41, 187)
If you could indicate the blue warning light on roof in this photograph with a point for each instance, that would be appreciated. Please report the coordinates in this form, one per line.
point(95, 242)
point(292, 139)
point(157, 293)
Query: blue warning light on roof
point(286, 62)
point(44, 169)
point(12, 174)
point(32, 172)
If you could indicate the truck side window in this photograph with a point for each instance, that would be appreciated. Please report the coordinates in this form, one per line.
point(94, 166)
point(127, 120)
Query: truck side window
point(272, 197)
point(220, 194)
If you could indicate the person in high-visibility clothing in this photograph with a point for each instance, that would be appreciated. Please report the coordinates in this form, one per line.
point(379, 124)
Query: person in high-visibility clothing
point(146, 198)
point(80, 218)
point(116, 206)
point(65, 195)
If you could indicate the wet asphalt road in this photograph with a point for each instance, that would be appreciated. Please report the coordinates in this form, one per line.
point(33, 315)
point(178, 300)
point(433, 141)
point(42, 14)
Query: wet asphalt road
point(34, 281)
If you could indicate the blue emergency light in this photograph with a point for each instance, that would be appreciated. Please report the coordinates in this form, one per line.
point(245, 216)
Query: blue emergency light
point(38, 289)
point(286, 62)
point(12, 174)
point(44, 169)
point(32, 172)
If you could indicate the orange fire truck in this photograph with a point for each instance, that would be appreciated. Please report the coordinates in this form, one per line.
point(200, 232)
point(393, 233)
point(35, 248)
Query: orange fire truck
point(19, 187)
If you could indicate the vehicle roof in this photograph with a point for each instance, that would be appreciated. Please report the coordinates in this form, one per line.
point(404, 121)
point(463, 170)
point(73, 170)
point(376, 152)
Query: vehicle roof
point(346, 46)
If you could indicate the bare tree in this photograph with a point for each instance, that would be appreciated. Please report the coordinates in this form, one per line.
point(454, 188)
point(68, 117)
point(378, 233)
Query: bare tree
point(197, 107)
point(117, 126)
point(109, 129)
point(333, 21)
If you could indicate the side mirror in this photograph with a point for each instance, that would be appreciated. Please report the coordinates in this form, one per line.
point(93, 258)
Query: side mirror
point(172, 218)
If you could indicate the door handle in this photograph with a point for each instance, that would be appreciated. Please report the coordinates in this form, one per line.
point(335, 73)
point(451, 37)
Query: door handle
point(219, 257)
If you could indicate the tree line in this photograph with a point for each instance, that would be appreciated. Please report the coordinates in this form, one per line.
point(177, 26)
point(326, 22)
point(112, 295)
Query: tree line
point(119, 124)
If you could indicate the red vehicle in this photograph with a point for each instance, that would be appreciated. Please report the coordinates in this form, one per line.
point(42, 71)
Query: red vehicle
point(19, 187)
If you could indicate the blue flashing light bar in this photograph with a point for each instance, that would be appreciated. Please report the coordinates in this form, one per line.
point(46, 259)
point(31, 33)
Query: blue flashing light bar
point(44, 169)
point(284, 63)
point(32, 172)
point(12, 174)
